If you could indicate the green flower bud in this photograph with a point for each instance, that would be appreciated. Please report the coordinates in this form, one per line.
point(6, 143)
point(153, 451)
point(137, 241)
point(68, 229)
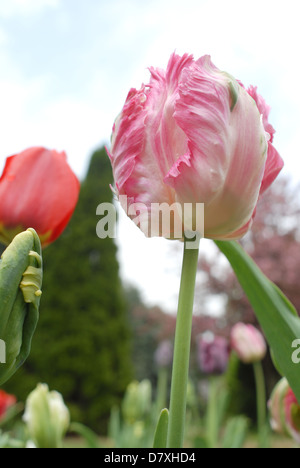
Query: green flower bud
point(137, 401)
point(20, 291)
point(47, 417)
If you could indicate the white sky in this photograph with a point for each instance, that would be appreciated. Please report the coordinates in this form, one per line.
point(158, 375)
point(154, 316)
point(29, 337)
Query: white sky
point(66, 67)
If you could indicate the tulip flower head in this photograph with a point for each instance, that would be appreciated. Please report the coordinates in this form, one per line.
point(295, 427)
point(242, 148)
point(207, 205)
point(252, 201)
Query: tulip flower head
point(193, 136)
point(47, 417)
point(164, 354)
point(38, 189)
point(213, 353)
point(6, 401)
point(285, 411)
point(248, 343)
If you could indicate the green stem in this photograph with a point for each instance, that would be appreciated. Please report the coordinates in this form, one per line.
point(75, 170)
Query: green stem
point(162, 389)
point(260, 401)
point(182, 347)
point(212, 427)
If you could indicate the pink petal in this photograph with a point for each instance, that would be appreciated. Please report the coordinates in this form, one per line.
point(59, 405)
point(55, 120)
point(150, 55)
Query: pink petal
point(238, 234)
point(263, 108)
point(163, 134)
point(128, 137)
point(227, 149)
point(274, 165)
point(145, 136)
point(202, 111)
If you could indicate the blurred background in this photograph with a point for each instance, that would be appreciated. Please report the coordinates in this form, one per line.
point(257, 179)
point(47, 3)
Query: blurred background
point(66, 68)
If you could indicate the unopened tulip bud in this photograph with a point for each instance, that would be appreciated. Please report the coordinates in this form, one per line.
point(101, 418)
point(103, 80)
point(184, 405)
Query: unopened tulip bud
point(20, 292)
point(38, 189)
point(248, 343)
point(47, 417)
point(137, 401)
point(285, 411)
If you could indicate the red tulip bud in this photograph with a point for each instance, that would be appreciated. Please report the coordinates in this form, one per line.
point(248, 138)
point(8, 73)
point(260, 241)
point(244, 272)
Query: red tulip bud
point(38, 189)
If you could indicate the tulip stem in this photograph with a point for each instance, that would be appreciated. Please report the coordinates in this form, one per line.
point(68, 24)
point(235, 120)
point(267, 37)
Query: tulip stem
point(182, 347)
point(260, 402)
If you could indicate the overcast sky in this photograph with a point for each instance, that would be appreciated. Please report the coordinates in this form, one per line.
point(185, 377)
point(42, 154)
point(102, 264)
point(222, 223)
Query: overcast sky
point(66, 67)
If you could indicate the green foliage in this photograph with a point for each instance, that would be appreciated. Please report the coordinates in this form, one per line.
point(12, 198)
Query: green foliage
point(277, 316)
point(82, 345)
point(161, 433)
point(133, 424)
point(241, 385)
point(139, 424)
point(235, 432)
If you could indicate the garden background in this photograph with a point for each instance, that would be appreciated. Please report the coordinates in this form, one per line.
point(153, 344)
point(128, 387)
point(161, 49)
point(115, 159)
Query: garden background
point(95, 333)
point(66, 67)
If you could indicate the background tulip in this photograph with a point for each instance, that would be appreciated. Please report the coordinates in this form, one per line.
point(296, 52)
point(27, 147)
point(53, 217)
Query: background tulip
point(248, 343)
point(38, 189)
point(285, 410)
point(194, 135)
point(250, 347)
point(213, 354)
point(137, 400)
point(6, 401)
point(164, 354)
point(47, 417)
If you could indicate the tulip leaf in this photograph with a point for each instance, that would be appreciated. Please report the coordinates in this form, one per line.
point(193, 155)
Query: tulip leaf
point(161, 433)
point(90, 437)
point(276, 315)
point(235, 432)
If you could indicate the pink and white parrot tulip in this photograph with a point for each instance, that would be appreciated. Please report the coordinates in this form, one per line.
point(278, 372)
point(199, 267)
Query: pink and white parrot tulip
point(194, 135)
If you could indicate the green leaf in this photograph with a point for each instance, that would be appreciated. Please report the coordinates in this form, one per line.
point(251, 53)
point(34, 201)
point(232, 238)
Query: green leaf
point(11, 414)
point(161, 433)
point(277, 316)
point(235, 432)
point(201, 443)
point(90, 437)
point(216, 409)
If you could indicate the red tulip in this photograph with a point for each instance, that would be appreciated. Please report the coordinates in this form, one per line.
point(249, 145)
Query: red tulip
point(38, 189)
point(6, 401)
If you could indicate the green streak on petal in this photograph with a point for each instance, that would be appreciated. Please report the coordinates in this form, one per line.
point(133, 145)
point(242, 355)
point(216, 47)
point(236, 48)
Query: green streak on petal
point(234, 93)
